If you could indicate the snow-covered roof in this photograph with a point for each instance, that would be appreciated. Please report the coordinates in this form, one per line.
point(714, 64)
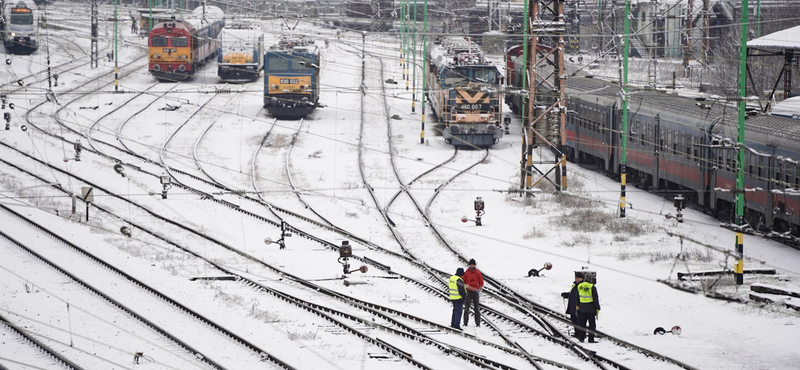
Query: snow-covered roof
point(786, 39)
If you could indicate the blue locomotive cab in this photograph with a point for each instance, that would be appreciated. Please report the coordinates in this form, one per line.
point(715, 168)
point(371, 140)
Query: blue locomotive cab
point(291, 78)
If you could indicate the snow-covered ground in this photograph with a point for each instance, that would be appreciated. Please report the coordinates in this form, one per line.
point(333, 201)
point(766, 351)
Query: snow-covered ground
point(630, 256)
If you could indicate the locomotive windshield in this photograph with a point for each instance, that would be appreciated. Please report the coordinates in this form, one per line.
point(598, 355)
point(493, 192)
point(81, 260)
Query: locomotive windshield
point(180, 42)
point(301, 65)
point(462, 76)
point(277, 64)
point(21, 16)
point(158, 41)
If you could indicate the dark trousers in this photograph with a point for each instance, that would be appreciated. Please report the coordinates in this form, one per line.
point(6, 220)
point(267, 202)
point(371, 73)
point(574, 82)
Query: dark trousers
point(458, 307)
point(474, 299)
point(582, 318)
point(573, 317)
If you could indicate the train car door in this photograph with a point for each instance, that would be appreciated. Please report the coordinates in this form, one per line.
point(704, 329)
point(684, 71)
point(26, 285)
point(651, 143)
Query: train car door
point(613, 128)
point(658, 146)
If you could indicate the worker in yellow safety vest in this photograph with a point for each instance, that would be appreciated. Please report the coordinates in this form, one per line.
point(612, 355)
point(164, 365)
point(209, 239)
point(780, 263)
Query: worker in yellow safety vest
point(457, 294)
point(588, 307)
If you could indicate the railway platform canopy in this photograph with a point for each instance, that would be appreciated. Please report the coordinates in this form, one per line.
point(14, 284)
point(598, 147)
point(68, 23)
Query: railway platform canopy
point(784, 43)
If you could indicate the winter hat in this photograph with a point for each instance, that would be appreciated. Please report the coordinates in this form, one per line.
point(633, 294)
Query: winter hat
point(579, 274)
point(460, 272)
point(472, 262)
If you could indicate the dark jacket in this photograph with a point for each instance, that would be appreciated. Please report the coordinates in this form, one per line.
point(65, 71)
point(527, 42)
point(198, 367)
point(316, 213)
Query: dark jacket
point(588, 307)
point(572, 302)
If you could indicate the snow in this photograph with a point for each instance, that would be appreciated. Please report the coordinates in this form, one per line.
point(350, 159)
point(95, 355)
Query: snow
point(786, 39)
point(518, 233)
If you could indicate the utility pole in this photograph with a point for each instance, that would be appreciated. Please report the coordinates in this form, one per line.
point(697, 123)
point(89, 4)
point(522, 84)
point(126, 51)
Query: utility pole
point(543, 126)
point(93, 50)
point(116, 50)
point(738, 271)
point(526, 36)
point(626, 38)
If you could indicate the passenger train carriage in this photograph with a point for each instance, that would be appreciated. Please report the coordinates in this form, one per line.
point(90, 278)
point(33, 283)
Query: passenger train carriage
point(463, 91)
point(20, 27)
point(687, 146)
point(241, 53)
point(291, 78)
point(179, 47)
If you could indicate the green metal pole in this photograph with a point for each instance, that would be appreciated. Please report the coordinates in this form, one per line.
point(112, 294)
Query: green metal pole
point(424, 69)
point(402, 39)
point(738, 271)
point(414, 65)
point(758, 19)
point(624, 157)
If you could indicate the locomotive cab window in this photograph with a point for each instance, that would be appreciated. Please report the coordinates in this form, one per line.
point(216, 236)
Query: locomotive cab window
point(22, 16)
point(301, 65)
point(180, 42)
point(277, 64)
point(158, 41)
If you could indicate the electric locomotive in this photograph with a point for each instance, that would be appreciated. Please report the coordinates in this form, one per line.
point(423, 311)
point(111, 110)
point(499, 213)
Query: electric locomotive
point(241, 53)
point(463, 89)
point(291, 78)
point(687, 146)
point(20, 27)
point(179, 47)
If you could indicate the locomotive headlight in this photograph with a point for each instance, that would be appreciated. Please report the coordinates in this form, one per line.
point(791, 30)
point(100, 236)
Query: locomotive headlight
point(273, 87)
point(184, 57)
point(156, 56)
point(13, 34)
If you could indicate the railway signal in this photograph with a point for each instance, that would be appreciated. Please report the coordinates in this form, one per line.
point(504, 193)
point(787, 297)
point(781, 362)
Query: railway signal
point(166, 184)
point(7, 117)
point(479, 206)
point(676, 330)
point(535, 272)
point(284, 234)
point(78, 148)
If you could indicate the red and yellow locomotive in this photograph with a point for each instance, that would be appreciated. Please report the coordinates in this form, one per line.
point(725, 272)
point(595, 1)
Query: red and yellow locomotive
point(178, 47)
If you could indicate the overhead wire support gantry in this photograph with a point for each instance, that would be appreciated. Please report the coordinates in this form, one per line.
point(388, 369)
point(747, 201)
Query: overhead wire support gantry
point(544, 119)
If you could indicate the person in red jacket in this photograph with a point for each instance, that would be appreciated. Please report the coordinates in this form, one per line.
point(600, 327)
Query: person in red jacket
point(473, 281)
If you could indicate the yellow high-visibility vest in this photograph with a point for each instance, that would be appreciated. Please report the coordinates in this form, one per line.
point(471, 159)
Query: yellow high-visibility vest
point(585, 292)
point(453, 284)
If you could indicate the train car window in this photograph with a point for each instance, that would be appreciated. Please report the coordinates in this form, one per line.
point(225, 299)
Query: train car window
point(688, 143)
point(758, 166)
point(277, 64)
point(158, 41)
point(696, 151)
point(180, 42)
